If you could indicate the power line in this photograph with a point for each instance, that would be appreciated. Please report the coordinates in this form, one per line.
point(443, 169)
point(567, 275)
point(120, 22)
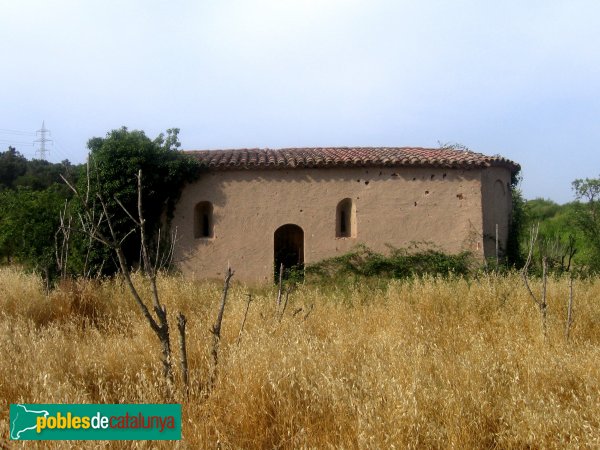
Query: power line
point(6, 141)
point(17, 132)
point(59, 149)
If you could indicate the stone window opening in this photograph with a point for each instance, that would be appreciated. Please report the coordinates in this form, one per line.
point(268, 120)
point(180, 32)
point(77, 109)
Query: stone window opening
point(203, 220)
point(345, 219)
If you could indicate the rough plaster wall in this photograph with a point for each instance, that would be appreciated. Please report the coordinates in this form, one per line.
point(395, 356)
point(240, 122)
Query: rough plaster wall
point(393, 206)
point(497, 206)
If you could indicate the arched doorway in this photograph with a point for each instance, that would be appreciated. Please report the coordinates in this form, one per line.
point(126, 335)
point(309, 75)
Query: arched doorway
point(288, 248)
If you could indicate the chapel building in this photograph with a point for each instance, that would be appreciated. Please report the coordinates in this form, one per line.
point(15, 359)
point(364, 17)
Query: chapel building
point(258, 208)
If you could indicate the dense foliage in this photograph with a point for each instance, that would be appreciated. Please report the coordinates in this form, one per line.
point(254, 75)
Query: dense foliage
point(400, 263)
point(33, 194)
point(514, 255)
point(114, 162)
point(28, 224)
point(586, 216)
point(568, 234)
point(16, 171)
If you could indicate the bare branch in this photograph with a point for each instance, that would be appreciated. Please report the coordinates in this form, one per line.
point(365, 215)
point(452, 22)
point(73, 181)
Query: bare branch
point(543, 303)
point(287, 295)
point(155, 268)
point(309, 311)
point(126, 236)
point(125, 210)
point(133, 290)
point(532, 240)
point(245, 316)
point(87, 169)
point(108, 221)
point(181, 322)
point(70, 185)
point(279, 292)
point(167, 258)
point(217, 326)
point(569, 309)
point(216, 329)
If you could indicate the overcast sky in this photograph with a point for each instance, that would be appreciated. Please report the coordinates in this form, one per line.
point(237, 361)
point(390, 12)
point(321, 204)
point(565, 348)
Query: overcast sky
point(516, 78)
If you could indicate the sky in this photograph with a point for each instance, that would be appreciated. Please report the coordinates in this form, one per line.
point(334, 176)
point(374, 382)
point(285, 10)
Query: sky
point(515, 78)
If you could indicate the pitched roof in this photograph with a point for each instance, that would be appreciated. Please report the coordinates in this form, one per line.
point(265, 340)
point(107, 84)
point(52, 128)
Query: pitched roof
point(321, 157)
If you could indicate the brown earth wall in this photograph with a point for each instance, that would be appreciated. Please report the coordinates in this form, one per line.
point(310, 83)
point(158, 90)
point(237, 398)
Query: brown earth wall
point(395, 206)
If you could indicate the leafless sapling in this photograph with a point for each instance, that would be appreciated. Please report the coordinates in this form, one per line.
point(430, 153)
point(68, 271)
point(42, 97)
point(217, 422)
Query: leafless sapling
point(540, 302)
point(216, 329)
point(92, 225)
point(62, 250)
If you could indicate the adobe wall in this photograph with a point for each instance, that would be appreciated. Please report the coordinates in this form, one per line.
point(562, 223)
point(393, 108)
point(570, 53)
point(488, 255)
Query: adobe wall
point(394, 206)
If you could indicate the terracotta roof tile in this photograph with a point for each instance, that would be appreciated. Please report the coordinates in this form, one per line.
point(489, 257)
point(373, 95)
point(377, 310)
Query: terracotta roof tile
point(291, 158)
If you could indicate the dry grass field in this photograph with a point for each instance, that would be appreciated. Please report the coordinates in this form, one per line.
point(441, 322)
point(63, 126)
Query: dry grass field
point(428, 363)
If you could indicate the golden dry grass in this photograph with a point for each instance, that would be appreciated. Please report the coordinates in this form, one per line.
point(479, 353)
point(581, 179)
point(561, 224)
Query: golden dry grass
point(428, 363)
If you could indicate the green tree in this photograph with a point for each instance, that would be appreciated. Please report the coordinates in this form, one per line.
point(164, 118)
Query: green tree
point(555, 220)
point(12, 166)
point(559, 240)
point(28, 222)
point(31, 196)
point(587, 217)
point(114, 162)
point(40, 175)
point(37, 174)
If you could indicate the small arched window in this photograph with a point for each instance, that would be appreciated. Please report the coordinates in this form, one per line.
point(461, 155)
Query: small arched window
point(345, 219)
point(203, 220)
